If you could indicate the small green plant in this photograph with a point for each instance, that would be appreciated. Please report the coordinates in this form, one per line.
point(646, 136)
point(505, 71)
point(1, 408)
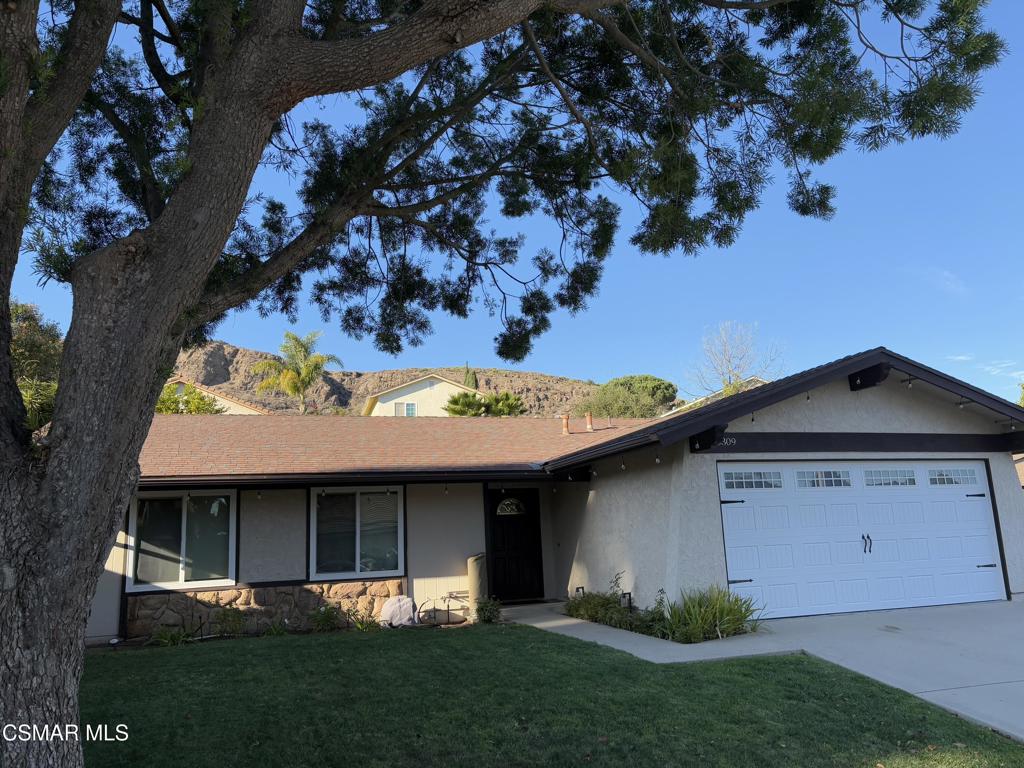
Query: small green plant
point(277, 629)
point(362, 621)
point(488, 610)
point(698, 615)
point(230, 621)
point(168, 637)
point(715, 613)
point(326, 618)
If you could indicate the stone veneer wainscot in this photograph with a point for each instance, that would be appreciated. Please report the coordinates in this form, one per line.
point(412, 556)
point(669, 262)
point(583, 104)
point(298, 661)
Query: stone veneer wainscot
point(262, 606)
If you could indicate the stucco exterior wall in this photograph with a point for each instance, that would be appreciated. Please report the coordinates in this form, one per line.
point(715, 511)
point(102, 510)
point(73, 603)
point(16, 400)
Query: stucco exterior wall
point(442, 530)
point(430, 396)
point(105, 613)
point(889, 407)
point(272, 535)
point(622, 526)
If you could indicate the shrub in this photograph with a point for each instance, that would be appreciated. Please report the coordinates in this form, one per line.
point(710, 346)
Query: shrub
point(488, 610)
point(326, 618)
point(699, 615)
point(715, 613)
point(362, 622)
point(277, 629)
point(230, 621)
point(167, 637)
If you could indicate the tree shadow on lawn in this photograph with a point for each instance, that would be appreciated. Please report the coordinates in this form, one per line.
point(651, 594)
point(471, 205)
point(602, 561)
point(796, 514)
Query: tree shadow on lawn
point(505, 695)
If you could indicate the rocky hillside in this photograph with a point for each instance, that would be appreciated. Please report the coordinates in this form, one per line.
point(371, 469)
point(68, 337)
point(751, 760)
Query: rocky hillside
point(228, 369)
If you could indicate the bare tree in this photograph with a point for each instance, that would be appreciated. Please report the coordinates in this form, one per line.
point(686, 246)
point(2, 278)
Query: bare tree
point(731, 357)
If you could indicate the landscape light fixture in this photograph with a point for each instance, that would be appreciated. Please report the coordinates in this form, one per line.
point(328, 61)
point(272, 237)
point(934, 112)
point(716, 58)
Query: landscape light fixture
point(580, 591)
point(626, 601)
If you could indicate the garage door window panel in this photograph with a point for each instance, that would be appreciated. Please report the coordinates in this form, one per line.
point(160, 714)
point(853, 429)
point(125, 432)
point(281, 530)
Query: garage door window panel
point(823, 478)
point(954, 476)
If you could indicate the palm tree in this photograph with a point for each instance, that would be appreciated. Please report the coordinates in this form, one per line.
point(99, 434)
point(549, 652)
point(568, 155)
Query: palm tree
point(504, 404)
point(301, 367)
point(465, 404)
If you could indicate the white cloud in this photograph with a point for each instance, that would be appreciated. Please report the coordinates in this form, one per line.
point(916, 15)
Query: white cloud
point(946, 281)
point(960, 358)
point(1001, 368)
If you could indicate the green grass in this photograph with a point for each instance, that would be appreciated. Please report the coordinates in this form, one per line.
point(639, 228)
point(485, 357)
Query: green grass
point(504, 695)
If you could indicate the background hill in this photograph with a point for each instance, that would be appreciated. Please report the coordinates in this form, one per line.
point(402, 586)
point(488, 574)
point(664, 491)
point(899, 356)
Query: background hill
point(228, 369)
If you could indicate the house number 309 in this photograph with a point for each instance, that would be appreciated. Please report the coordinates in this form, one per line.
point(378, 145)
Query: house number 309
point(727, 441)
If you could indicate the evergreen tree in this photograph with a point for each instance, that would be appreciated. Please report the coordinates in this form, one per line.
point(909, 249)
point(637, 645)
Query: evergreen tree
point(189, 400)
point(469, 378)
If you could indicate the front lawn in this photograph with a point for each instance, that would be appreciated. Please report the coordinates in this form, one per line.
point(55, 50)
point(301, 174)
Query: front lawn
point(504, 696)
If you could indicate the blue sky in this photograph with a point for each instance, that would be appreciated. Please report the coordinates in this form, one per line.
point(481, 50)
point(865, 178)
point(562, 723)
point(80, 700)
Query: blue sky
point(924, 257)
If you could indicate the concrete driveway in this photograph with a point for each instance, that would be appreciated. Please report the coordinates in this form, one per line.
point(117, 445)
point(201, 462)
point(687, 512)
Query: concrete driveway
point(966, 658)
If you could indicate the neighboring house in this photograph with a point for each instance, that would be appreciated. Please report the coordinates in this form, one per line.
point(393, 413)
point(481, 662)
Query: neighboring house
point(425, 396)
point(228, 403)
point(870, 482)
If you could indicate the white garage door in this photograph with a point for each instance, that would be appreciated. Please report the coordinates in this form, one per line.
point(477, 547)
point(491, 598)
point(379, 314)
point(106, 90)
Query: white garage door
point(826, 537)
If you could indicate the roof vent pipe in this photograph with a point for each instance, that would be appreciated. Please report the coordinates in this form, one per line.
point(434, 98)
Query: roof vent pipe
point(590, 421)
point(565, 424)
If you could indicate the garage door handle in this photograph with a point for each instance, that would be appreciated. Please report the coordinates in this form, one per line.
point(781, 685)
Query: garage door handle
point(732, 501)
point(864, 541)
point(988, 565)
point(975, 495)
point(747, 581)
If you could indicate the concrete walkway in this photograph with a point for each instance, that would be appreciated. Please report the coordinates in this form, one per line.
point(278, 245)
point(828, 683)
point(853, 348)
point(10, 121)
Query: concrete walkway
point(968, 658)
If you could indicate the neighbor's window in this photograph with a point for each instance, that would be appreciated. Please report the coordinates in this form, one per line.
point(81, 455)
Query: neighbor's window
point(823, 478)
point(952, 477)
point(356, 532)
point(405, 409)
point(183, 539)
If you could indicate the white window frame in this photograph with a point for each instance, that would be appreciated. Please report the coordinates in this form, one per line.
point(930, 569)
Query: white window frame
point(399, 408)
point(407, 414)
point(315, 493)
point(824, 478)
point(132, 586)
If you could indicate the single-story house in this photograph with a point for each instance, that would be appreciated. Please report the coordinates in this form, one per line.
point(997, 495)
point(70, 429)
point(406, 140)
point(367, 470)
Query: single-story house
point(871, 482)
point(422, 396)
point(231, 405)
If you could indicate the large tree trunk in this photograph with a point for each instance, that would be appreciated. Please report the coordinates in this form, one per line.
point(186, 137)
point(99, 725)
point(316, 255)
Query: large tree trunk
point(61, 501)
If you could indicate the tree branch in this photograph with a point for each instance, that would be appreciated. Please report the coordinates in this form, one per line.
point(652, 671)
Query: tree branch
point(305, 68)
point(50, 108)
point(152, 198)
point(170, 88)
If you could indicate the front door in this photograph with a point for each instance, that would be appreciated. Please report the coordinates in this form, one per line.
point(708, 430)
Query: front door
point(515, 568)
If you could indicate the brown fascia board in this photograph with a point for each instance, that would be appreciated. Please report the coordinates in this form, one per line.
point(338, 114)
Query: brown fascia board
point(673, 430)
point(478, 474)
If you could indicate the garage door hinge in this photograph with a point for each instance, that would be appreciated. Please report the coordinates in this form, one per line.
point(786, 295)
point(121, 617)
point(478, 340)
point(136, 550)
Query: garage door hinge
point(747, 581)
point(732, 501)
